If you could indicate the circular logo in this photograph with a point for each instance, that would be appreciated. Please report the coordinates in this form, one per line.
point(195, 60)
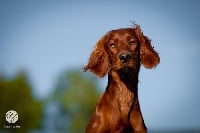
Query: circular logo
point(11, 116)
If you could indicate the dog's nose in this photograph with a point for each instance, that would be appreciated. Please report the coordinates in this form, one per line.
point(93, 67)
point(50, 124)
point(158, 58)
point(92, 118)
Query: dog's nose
point(124, 57)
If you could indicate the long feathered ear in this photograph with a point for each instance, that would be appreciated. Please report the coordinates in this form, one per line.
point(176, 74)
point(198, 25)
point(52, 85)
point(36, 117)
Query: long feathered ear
point(149, 57)
point(98, 62)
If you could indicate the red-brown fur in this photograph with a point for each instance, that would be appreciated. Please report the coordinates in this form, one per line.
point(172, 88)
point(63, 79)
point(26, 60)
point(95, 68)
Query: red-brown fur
point(119, 54)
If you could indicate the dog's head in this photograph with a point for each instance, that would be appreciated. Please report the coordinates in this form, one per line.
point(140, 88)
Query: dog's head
point(124, 50)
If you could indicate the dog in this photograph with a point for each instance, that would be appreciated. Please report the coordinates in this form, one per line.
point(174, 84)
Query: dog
point(120, 53)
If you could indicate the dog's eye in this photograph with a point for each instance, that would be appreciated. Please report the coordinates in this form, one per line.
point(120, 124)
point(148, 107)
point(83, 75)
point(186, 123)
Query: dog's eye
point(112, 44)
point(132, 42)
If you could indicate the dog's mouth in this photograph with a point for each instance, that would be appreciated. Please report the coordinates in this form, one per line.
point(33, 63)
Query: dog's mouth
point(126, 68)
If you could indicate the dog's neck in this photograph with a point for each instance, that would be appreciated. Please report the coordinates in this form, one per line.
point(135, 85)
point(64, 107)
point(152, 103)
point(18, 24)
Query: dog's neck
point(125, 91)
point(129, 80)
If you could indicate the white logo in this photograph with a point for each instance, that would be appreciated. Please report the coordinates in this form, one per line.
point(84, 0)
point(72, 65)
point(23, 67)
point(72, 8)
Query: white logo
point(11, 116)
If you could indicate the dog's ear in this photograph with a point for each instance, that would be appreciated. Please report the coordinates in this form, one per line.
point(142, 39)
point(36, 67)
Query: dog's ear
point(98, 62)
point(149, 57)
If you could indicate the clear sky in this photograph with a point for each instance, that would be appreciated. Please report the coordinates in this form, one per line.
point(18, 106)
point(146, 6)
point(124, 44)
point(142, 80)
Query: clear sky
point(44, 38)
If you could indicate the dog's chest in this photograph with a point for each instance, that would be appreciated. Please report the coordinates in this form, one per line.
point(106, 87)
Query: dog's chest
point(125, 99)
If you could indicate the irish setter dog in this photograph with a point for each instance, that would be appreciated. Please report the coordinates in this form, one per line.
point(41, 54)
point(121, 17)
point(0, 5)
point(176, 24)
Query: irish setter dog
point(119, 54)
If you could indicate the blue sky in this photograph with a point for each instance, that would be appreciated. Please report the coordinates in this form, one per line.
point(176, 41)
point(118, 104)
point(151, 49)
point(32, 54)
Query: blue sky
point(44, 38)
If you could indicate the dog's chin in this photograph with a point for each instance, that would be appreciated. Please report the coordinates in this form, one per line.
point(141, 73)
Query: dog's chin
point(126, 69)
